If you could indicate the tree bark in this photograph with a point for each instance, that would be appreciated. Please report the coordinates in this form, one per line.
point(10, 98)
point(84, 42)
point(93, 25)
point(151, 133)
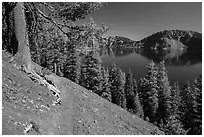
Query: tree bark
point(23, 53)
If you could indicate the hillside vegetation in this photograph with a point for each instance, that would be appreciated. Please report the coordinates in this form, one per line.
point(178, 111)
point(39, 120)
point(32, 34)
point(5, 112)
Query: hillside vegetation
point(30, 108)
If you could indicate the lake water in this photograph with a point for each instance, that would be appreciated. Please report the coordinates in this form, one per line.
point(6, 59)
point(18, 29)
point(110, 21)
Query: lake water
point(181, 65)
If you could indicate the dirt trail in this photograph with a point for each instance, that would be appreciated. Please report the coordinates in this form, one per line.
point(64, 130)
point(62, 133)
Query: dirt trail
point(66, 106)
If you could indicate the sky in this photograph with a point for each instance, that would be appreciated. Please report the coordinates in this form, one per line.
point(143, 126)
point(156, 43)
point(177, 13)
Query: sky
point(137, 20)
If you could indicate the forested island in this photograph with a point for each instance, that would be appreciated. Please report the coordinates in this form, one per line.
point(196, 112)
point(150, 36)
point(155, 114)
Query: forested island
point(41, 44)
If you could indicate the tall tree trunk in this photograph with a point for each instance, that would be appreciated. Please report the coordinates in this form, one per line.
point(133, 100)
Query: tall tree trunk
point(23, 53)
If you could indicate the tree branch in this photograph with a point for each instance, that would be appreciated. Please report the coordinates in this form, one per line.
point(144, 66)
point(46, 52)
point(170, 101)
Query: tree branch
point(49, 6)
point(51, 20)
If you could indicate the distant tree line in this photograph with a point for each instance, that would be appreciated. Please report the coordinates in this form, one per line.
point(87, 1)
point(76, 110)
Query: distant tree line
point(75, 55)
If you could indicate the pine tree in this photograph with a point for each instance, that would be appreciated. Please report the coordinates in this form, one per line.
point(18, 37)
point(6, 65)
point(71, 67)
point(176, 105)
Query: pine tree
point(192, 108)
point(70, 66)
point(197, 107)
point(130, 97)
point(112, 81)
point(148, 92)
point(78, 69)
point(55, 53)
point(90, 64)
point(117, 81)
point(164, 94)
point(137, 105)
point(142, 88)
point(20, 40)
point(91, 72)
point(176, 100)
point(105, 92)
point(173, 124)
point(121, 89)
point(132, 100)
point(185, 104)
point(39, 44)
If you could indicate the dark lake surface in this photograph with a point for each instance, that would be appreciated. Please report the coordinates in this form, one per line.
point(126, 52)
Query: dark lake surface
point(181, 65)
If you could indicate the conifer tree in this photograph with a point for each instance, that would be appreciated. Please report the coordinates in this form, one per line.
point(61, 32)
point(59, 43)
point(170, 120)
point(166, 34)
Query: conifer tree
point(117, 81)
point(55, 54)
point(192, 114)
point(137, 105)
point(164, 94)
point(90, 63)
point(142, 89)
point(112, 81)
point(105, 92)
point(121, 87)
point(130, 97)
point(70, 66)
point(197, 107)
point(91, 72)
point(192, 108)
point(185, 104)
point(78, 69)
point(148, 92)
point(173, 124)
point(132, 100)
point(175, 99)
point(39, 49)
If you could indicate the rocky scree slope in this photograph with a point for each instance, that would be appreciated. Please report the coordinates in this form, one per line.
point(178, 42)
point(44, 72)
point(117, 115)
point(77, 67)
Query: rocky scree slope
point(30, 108)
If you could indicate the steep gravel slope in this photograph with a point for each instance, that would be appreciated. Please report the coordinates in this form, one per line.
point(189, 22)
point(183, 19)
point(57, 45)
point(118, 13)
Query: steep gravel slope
point(29, 108)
